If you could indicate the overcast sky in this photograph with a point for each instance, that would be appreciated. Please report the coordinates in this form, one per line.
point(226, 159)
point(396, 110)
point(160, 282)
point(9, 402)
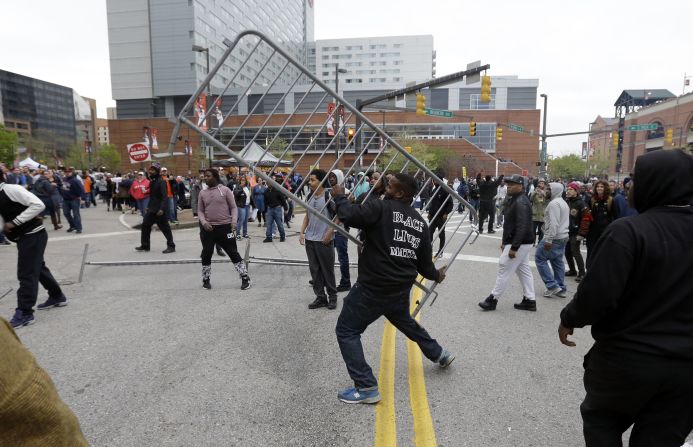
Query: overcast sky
point(584, 52)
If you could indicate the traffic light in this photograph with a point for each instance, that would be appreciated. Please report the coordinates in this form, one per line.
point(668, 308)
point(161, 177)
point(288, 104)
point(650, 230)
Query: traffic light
point(485, 88)
point(615, 137)
point(499, 133)
point(420, 104)
point(669, 136)
point(350, 134)
point(472, 129)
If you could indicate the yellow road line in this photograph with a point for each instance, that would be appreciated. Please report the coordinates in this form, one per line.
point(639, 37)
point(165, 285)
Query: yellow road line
point(424, 433)
point(385, 422)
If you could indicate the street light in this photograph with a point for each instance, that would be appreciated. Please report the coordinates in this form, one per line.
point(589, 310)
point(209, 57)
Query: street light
point(200, 49)
point(542, 156)
point(337, 70)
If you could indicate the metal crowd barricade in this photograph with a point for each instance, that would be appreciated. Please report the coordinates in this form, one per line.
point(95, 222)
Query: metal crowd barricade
point(282, 70)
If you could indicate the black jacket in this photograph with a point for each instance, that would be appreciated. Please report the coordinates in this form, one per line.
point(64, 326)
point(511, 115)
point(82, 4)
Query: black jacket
point(396, 244)
point(439, 201)
point(578, 222)
point(488, 189)
point(275, 198)
point(638, 292)
point(517, 221)
point(158, 198)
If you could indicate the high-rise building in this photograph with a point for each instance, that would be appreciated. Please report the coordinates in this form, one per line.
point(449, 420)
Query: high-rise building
point(374, 62)
point(29, 105)
point(153, 67)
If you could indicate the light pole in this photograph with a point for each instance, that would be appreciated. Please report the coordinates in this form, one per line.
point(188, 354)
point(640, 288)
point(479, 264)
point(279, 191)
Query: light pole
point(337, 70)
point(543, 156)
point(199, 49)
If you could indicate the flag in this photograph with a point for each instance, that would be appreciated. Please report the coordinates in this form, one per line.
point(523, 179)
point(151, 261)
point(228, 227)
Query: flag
point(188, 148)
point(330, 118)
point(145, 131)
point(201, 111)
point(340, 112)
point(155, 136)
point(218, 113)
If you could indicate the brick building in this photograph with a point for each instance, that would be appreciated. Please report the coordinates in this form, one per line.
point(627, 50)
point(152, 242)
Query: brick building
point(515, 153)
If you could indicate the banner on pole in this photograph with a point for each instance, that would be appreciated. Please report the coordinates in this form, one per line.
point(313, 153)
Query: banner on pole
point(200, 111)
point(330, 118)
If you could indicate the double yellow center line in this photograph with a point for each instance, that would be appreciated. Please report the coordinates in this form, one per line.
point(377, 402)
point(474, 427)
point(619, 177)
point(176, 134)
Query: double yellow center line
point(385, 421)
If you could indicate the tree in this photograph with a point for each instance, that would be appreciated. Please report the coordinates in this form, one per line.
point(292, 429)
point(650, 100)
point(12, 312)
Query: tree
point(278, 147)
point(47, 147)
point(107, 156)
point(420, 150)
point(8, 144)
point(76, 157)
point(566, 167)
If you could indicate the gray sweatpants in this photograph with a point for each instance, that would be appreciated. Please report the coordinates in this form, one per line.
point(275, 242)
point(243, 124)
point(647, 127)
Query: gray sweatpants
point(321, 264)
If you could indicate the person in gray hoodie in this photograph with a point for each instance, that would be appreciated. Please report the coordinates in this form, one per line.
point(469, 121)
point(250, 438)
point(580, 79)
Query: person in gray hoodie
point(552, 246)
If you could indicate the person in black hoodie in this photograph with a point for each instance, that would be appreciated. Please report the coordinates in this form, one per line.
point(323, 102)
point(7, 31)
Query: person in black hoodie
point(72, 192)
point(440, 206)
point(579, 226)
point(638, 298)
point(488, 189)
point(20, 212)
point(518, 237)
point(155, 213)
point(397, 247)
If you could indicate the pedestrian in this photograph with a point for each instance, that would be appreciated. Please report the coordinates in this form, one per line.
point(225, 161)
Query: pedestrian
point(578, 229)
point(20, 211)
point(488, 188)
point(463, 190)
point(637, 298)
point(72, 196)
point(515, 248)
point(341, 242)
point(362, 185)
point(539, 199)
point(551, 246)
point(501, 195)
point(171, 209)
point(397, 248)
point(473, 197)
point(275, 202)
point(44, 190)
point(259, 200)
point(439, 207)
point(317, 236)
point(155, 213)
point(218, 214)
point(140, 191)
point(242, 197)
point(602, 212)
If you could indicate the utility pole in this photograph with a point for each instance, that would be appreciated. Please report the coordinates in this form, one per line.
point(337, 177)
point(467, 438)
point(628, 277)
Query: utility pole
point(338, 116)
point(209, 149)
point(543, 159)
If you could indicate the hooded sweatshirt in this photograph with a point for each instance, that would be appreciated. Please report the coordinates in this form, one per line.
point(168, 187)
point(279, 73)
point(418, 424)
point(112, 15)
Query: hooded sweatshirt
point(556, 215)
point(637, 291)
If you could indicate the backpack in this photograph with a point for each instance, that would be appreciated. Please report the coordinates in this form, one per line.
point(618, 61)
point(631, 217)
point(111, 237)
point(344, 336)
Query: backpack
point(463, 189)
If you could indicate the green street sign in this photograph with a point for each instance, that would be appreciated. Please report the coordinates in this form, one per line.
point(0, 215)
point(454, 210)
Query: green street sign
point(651, 126)
point(438, 112)
point(515, 127)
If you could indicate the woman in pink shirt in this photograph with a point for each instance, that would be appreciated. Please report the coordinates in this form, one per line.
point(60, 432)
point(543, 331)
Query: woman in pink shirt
point(140, 192)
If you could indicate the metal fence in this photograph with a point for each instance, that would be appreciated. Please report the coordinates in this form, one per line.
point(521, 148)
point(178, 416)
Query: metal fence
point(281, 72)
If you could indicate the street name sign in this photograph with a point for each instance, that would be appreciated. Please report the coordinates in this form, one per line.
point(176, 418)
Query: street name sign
point(651, 126)
point(438, 112)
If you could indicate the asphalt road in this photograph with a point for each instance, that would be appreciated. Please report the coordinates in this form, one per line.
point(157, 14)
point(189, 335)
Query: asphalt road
point(145, 357)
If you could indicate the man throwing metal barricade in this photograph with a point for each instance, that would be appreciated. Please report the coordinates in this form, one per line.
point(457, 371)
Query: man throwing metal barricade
point(397, 247)
point(217, 212)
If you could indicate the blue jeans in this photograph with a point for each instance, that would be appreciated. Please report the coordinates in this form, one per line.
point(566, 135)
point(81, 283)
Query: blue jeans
point(543, 257)
point(275, 215)
point(361, 308)
point(172, 210)
point(340, 243)
point(142, 205)
point(71, 213)
point(242, 221)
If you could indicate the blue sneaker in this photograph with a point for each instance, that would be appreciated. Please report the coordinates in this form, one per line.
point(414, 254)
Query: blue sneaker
point(359, 396)
point(53, 302)
point(21, 319)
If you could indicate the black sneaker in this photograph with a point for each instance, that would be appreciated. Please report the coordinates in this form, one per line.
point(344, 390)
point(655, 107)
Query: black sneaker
point(526, 304)
point(332, 303)
point(245, 282)
point(267, 239)
point(282, 239)
point(70, 230)
point(53, 302)
point(579, 277)
point(78, 231)
point(340, 288)
point(491, 231)
point(489, 303)
point(206, 284)
point(169, 250)
point(318, 303)
point(141, 248)
point(446, 357)
point(571, 273)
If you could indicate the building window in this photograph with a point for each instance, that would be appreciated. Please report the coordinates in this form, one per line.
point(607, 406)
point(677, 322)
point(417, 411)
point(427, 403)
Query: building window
point(475, 102)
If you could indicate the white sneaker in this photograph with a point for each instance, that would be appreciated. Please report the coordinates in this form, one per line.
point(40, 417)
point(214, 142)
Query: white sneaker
point(548, 293)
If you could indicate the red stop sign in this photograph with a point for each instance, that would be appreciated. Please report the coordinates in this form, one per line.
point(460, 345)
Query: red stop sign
point(138, 152)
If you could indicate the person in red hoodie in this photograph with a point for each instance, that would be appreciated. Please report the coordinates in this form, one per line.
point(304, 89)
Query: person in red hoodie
point(139, 190)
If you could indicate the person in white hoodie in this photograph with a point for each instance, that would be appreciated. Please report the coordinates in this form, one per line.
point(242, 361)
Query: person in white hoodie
point(552, 246)
point(341, 242)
